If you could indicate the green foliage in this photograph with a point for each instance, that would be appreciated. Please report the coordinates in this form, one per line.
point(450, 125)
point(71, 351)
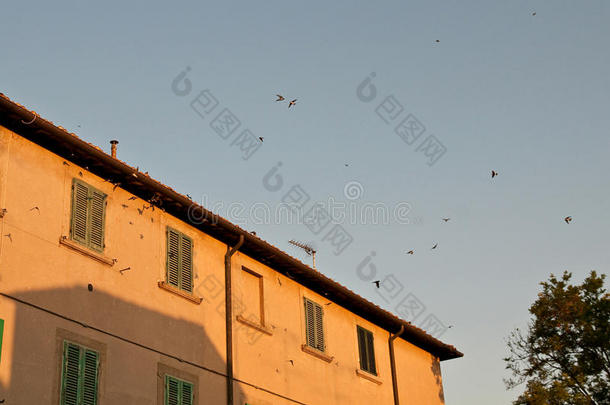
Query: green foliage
point(564, 357)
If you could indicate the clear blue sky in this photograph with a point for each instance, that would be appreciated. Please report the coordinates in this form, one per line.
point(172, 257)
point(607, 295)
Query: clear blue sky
point(525, 95)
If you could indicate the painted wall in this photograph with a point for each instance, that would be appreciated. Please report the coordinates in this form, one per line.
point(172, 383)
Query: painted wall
point(131, 311)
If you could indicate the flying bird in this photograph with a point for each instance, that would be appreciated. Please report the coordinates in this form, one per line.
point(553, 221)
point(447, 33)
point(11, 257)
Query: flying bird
point(493, 174)
point(534, 13)
point(125, 269)
point(35, 208)
point(293, 102)
point(438, 40)
point(376, 282)
point(446, 219)
point(434, 247)
point(410, 252)
point(132, 198)
point(279, 97)
point(260, 138)
point(124, 205)
point(140, 211)
point(9, 236)
point(567, 219)
point(346, 164)
point(291, 362)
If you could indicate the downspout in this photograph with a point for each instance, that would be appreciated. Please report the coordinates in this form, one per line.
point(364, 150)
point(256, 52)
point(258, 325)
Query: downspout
point(229, 315)
point(393, 363)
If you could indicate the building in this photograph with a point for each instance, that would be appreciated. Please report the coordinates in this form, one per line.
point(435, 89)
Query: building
point(113, 286)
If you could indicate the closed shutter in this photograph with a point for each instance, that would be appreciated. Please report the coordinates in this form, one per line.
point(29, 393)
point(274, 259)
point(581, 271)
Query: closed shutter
point(80, 203)
point(70, 375)
point(366, 349)
point(90, 371)
point(173, 258)
point(319, 327)
point(310, 324)
point(96, 219)
point(370, 353)
point(187, 393)
point(362, 348)
point(178, 392)
point(172, 388)
point(186, 264)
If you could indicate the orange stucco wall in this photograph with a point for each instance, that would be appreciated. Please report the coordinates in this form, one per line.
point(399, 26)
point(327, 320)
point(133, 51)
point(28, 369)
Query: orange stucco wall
point(138, 325)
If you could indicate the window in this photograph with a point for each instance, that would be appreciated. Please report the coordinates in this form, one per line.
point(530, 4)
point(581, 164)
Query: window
point(366, 350)
point(178, 392)
point(252, 296)
point(179, 260)
point(88, 214)
point(314, 325)
point(79, 376)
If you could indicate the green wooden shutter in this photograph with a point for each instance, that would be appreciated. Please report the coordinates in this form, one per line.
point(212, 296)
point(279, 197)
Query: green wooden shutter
point(89, 377)
point(319, 327)
point(187, 393)
point(173, 257)
point(172, 391)
point(96, 219)
point(310, 334)
point(370, 353)
point(186, 264)
point(362, 348)
point(80, 202)
point(70, 375)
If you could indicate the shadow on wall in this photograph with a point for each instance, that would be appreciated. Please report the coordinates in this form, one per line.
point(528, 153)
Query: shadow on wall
point(436, 371)
point(137, 347)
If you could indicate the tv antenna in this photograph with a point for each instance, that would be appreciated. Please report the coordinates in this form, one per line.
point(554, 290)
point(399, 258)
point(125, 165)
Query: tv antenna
point(307, 248)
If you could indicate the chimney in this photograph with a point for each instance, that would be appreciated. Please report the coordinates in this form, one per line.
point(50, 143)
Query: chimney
point(113, 145)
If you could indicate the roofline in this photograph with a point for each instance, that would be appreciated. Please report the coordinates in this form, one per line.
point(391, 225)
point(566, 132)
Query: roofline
point(58, 140)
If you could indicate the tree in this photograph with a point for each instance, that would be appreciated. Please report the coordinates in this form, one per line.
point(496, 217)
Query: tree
point(564, 357)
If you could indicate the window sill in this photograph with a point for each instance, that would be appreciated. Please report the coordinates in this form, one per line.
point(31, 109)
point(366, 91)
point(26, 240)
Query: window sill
point(167, 287)
point(368, 376)
point(64, 240)
point(317, 353)
point(254, 325)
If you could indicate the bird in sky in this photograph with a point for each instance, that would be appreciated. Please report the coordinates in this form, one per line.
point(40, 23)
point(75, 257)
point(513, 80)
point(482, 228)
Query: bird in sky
point(293, 102)
point(534, 13)
point(280, 97)
point(260, 138)
point(140, 211)
point(438, 40)
point(132, 198)
point(493, 174)
point(291, 362)
point(434, 247)
point(35, 208)
point(410, 252)
point(567, 219)
point(8, 235)
point(124, 205)
point(376, 282)
point(446, 219)
point(346, 164)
